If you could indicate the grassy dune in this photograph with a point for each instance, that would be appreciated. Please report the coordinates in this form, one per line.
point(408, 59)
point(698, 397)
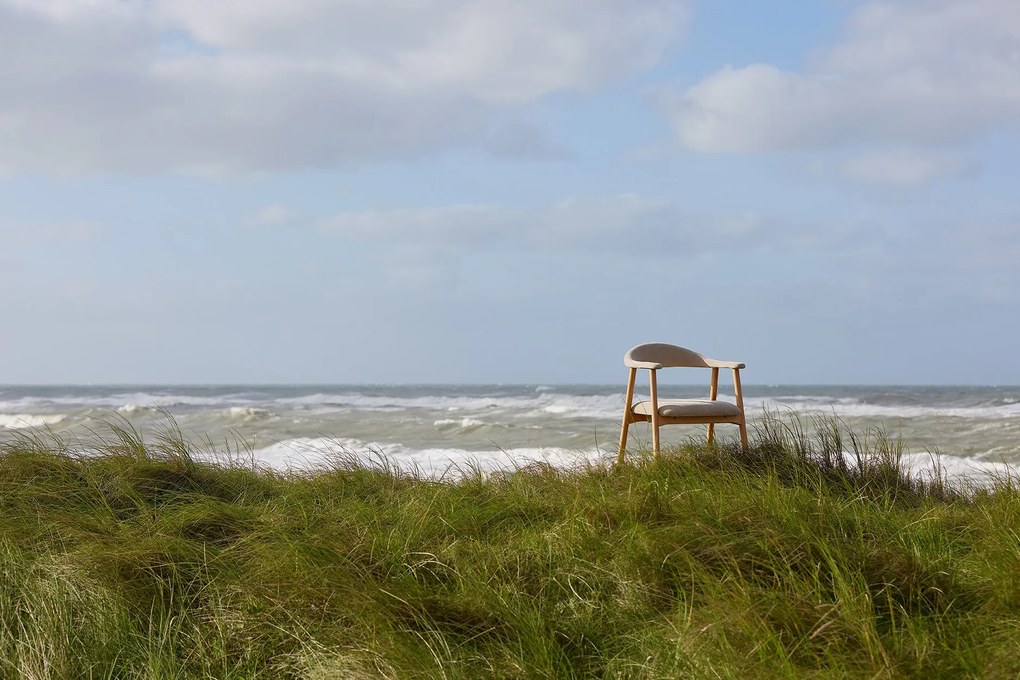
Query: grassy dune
point(784, 561)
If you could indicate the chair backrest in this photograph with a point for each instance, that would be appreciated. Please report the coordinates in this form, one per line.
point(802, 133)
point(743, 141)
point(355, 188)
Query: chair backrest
point(665, 354)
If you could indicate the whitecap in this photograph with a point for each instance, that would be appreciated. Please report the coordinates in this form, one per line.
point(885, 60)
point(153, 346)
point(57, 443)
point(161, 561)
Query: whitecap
point(958, 468)
point(314, 453)
point(131, 409)
point(557, 409)
point(536, 405)
point(459, 425)
point(247, 412)
point(593, 406)
point(854, 408)
point(159, 400)
point(20, 421)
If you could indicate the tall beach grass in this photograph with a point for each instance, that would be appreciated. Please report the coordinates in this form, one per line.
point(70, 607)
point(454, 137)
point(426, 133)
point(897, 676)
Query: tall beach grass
point(811, 555)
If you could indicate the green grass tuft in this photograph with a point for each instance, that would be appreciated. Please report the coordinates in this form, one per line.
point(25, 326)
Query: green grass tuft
point(810, 555)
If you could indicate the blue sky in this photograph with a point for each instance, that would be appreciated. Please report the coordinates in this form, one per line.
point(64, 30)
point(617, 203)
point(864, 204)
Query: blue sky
point(206, 191)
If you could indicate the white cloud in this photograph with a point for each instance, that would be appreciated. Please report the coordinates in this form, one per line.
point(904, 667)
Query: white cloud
point(460, 224)
point(228, 86)
point(621, 224)
point(273, 215)
point(904, 167)
point(912, 72)
point(441, 247)
point(47, 234)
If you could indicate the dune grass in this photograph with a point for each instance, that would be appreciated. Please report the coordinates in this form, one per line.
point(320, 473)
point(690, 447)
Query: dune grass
point(787, 560)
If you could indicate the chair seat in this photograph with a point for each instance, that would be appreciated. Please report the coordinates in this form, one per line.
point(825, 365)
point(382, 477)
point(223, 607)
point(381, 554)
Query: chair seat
point(681, 408)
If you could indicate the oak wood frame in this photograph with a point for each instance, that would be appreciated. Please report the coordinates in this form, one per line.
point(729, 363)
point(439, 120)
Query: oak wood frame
point(657, 420)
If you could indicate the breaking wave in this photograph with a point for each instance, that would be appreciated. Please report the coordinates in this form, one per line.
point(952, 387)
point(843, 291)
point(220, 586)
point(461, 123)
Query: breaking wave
point(22, 421)
point(317, 452)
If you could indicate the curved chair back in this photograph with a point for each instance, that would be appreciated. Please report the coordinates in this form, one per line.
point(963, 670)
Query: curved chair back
point(668, 355)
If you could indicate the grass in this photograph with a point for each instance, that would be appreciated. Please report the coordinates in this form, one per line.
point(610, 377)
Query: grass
point(787, 560)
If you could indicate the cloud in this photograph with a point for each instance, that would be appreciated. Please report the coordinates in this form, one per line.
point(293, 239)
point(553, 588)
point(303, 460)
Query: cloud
point(905, 167)
point(581, 226)
point(225, 86)
point(520, 140)
point(460, 224)
point(907, 73)
point(48, 234)
point(273, 215)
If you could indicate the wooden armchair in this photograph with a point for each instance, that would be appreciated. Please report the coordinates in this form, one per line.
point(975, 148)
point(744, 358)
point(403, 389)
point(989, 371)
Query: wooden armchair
point(659, 412)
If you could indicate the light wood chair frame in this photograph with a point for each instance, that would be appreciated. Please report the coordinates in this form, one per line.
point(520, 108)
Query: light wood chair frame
point(656, 356)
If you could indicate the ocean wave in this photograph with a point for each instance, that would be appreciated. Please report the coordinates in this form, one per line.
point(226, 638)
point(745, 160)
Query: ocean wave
point(315, 453)
point(532, 402)
point(855, 408)
point(118, 400)
point(534, 405)
point(318, 452)
point(167, 400)
point(23, 404)
point(132, 409)
point(247, 412)
point(459, 425)
point(368, 402)
point(957, 468)
point(20, 421)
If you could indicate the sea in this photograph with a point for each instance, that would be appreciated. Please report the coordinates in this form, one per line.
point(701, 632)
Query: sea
point(443, 430)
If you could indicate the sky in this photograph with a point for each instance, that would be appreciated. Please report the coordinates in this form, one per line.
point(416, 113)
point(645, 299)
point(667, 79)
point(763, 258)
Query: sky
point(508, 191)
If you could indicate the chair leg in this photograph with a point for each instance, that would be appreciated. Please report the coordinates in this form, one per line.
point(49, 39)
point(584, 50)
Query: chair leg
point(623, 438)
point(628, 400)
point(713, 394)
point(653, 385)
point(739, 394)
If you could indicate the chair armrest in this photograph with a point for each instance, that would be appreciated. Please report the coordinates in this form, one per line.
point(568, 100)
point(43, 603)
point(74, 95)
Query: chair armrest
point(713, 363)
point(650, 365)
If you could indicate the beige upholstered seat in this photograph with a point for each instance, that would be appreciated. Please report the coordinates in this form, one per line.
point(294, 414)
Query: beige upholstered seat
point(688, 407)
point(656, 356)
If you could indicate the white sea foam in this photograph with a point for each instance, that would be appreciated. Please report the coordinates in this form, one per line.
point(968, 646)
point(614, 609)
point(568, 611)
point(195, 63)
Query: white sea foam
point(133, 409)
point(595, 406)
point(20, 421)
point(23, 404)
point(113, 401)
point(541, 402)
point(854, 408)
point(459, 425)
point(247, 412)
point(536, 405)
point(958, 469)
point(167, 400)
point(313, 453)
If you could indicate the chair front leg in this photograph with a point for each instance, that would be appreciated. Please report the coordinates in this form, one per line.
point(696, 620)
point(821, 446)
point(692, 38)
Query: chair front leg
point(627, 419)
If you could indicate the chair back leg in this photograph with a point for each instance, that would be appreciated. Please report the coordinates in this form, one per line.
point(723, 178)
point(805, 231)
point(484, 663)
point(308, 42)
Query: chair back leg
point(655, 412)
point(740, 404)
point(713, 394)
